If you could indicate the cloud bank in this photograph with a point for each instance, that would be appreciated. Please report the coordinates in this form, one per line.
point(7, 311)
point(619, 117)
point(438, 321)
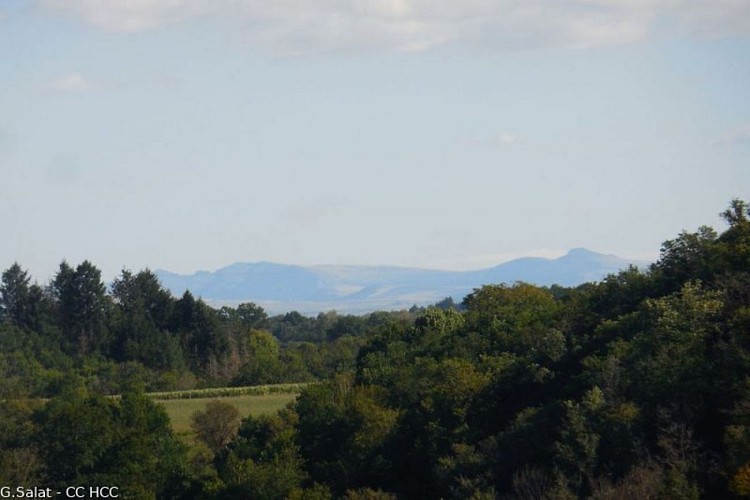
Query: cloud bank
point(304, 26)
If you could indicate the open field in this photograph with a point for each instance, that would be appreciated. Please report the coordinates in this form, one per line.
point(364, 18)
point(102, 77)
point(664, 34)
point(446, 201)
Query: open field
point(180, 410)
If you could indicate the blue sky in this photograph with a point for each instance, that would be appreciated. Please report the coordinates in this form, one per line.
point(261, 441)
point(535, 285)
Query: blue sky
point(188, 134)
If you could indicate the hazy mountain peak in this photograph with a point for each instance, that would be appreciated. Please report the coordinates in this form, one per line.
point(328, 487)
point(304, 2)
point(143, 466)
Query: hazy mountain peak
point(311, 289)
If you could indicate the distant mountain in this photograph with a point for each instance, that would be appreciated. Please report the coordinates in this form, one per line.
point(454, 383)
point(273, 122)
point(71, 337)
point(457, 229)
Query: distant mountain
point(358, 289)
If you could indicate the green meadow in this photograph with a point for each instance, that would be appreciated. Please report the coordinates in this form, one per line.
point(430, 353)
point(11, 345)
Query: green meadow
point(180, 411)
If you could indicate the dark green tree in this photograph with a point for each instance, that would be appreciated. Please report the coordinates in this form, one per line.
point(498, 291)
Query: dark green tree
point(263, 461)
point(342, 433)
point(82, 306)
point(89, 439)
point(20, 301)
point(202, 339)
point(141, 325)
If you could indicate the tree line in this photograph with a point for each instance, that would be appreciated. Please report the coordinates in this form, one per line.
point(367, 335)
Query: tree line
point(134, 328)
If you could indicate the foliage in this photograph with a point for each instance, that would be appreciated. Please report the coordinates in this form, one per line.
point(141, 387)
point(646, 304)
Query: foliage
point(637, 386)
point(221, 392)
point(88, 439)
point(216, 425)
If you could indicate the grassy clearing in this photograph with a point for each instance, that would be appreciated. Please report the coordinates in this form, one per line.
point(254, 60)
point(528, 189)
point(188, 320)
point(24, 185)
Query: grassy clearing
point(180, 411)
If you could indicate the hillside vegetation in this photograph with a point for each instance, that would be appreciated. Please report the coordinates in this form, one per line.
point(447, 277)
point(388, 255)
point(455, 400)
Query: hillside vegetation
point(637, 386)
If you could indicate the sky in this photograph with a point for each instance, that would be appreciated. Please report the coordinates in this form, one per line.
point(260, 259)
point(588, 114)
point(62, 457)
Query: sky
point(190, 134)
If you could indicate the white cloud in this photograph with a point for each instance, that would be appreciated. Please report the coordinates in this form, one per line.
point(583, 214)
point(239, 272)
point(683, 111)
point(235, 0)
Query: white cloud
point(302, 26)
point(506, 138)
point(740, 134)
point(72, 82)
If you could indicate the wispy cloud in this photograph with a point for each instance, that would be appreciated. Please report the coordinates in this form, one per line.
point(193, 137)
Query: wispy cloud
point(740, 134)
point(72, 82)
point(302, 26)
point(716, 18)
point(500, 138)
point(128, 15)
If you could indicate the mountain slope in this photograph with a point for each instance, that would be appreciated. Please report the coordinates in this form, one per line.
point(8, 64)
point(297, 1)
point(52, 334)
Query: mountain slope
point(281, 288)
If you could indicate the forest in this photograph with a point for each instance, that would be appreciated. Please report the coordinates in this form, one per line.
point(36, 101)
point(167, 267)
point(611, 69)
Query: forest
point(636, 386)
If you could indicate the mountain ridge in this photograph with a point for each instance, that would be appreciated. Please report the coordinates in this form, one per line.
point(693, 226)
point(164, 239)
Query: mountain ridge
point(357, 288)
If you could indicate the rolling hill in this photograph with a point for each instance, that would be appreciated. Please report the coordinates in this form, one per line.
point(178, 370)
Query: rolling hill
point(358, 289)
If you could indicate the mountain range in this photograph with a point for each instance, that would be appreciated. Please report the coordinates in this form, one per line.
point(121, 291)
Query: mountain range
point(281, 288)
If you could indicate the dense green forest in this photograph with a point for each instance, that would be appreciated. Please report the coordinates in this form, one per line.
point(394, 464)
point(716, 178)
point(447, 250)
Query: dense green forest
point(637, 386)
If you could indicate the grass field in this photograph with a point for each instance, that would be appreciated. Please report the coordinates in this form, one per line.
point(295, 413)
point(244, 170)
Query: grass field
point(181, 410)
